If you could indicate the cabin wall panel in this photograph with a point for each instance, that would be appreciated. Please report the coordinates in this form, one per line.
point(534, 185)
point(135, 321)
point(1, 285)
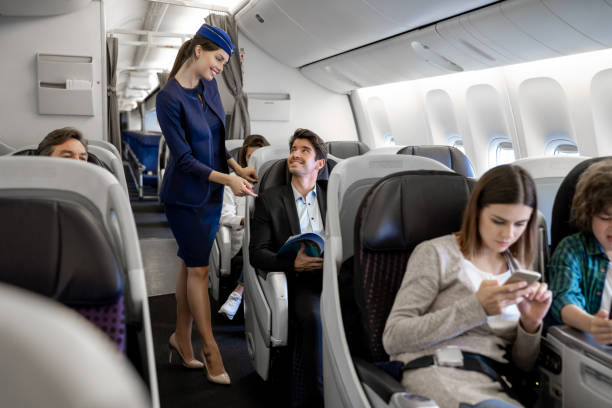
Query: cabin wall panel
point(21, 38)
point(326, 113)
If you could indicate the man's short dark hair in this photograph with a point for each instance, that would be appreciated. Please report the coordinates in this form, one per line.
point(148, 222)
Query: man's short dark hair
point(315, 141)
point(57, 137)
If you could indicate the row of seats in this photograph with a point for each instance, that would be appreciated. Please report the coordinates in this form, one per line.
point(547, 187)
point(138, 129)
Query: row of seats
point(388, 226)
point(266, 305)
point(74, 240)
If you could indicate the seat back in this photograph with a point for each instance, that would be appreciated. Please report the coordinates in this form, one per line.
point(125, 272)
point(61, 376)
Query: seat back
point(38, 337)
point(111, 161)
point(399, 212)
point(82, 247)
point(231, 144)
point(5, 149)
point(344, 149)
point(106, 145)
point(235, 152)
point(385, 149)
point(97, 155)
point(449, 156)
point(349, 182)
point(561, 225)
point(548, 173)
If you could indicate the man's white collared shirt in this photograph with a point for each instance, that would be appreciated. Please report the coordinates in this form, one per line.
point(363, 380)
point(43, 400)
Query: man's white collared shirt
point(308, 211)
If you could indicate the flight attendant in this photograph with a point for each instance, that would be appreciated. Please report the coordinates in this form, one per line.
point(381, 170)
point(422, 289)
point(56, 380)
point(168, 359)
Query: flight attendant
point(192, 120)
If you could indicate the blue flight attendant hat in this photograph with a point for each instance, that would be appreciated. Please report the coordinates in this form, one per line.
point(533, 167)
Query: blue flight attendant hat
point(218, 36)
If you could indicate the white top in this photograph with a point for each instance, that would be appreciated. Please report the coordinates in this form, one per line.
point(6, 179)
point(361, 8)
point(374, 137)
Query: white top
point(232, 212)
point(472, 277)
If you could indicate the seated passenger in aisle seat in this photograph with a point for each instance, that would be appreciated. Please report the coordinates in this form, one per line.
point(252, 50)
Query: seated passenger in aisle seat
point(232, 215)
point(454, 304)
point(580, 270)
point(66, 142)
point(281, 212)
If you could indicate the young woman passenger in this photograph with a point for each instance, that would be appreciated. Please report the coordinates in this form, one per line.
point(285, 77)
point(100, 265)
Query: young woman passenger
point(453, 294)
point(232, 214)
point(580, 270)
point(192, 120)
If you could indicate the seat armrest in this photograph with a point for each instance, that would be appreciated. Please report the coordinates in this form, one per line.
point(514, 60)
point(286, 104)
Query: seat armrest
point(387, 388)
point(224, 239)
point(274, 287)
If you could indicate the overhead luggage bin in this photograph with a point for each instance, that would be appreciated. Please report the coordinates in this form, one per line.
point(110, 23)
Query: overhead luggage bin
point(591, 18)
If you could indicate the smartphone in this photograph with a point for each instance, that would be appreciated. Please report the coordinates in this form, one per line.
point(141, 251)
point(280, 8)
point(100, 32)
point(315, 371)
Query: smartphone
point(523, 275)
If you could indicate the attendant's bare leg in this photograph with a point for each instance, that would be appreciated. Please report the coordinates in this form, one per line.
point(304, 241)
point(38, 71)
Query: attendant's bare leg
point(184, 318)
point(199, 304)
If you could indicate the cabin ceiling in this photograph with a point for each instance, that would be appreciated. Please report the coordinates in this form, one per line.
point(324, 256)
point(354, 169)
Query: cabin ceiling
point(326, 27)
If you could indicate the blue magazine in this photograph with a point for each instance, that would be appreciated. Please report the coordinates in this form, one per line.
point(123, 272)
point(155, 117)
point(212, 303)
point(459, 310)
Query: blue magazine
point(315, 244)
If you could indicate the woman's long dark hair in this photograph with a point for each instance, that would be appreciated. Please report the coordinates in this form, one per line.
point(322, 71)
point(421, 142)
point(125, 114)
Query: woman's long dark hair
point(187, 51)
point(251, 141)
point(506, 184)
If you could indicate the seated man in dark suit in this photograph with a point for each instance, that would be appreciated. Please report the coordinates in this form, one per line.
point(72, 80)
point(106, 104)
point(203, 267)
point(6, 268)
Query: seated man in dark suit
point(281, 212)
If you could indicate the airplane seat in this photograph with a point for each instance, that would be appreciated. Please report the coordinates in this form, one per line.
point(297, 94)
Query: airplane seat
point(561, 226)
point(348, 184)
point(141, 150)
point(450, 156)
point(53, 358)
point(5, 149)
point(393, 149)
point(231, 144)
point(235, 152)
point(82, 248)
point(568, 353)
point(548, 173)
point(48, 255)
point(543, 253)
point(106, 145)
point(97, 155)
point(220, 255)
point(344, 149)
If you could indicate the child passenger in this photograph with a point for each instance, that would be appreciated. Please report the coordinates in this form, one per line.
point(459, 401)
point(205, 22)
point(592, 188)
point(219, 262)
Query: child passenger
point(580, 271)
point(454, 294)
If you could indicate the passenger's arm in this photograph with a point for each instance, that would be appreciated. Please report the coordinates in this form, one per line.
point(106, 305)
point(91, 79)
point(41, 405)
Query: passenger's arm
point(169, 117)
point(248, 173)
point(409, 327)
point(262, 252)
point(565, 274)
point(599, 325)
point(229, 210)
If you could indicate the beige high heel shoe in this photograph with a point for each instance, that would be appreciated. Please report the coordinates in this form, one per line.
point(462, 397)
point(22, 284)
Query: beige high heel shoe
point(223, 378)
point(173, 346)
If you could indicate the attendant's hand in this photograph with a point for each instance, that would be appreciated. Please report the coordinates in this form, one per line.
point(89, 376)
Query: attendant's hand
point(535, 306)
point(248, 173)
point(304, 263)
point(601, 327)
point(494, 297)
point(240, 187)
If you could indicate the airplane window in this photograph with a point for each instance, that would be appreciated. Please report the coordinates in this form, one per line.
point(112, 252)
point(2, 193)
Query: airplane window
point(150, 121)
point(501, 151)
point(566, 150)
point(561, 147)
point(380, 122)
point(457, 142)
point(505, 153)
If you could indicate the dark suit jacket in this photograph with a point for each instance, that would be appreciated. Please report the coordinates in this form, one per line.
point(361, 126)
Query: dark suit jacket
point(274, 220)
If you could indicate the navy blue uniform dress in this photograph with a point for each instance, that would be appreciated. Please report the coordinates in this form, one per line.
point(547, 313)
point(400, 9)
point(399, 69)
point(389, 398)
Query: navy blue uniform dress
point(193, 124)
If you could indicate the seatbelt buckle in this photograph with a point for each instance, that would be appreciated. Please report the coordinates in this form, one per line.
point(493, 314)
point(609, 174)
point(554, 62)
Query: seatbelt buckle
point(449, 356)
